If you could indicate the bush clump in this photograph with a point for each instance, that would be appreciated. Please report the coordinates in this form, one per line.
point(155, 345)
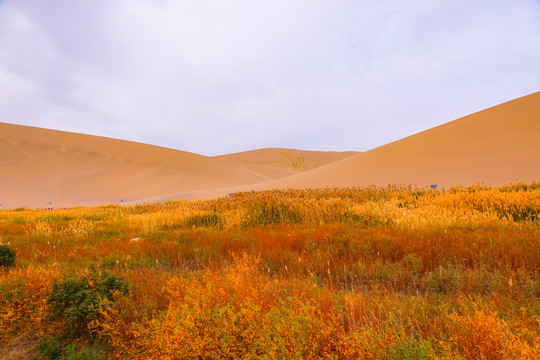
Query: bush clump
point(51, 348)
point(444, 280)
point(76, 301)
point(7, 256)
point(207, 219)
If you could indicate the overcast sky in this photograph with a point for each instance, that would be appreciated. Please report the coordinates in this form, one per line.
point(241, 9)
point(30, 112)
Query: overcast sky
point(214, 76)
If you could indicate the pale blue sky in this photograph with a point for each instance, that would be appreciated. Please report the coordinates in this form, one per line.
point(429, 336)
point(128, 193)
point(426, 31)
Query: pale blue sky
point(215, 77)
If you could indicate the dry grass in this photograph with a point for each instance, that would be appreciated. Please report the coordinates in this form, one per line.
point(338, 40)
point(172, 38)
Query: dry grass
point(395, 273)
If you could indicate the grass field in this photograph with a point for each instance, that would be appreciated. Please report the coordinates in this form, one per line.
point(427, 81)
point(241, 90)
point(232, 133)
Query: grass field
point(395, 273)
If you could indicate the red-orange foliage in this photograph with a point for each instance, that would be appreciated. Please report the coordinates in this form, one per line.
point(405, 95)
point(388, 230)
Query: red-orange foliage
point(336, 273)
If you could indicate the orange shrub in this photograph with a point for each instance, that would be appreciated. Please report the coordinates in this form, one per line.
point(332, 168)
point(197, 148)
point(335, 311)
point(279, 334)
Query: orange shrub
point(481, 334)
point(23, 298)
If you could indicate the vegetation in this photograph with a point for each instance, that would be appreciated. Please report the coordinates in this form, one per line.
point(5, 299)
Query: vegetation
point(7, 256)
point(394, 273)
point(297, 162)
point(76, 301)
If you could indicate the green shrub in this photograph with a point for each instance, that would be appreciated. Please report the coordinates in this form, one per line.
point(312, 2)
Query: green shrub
point(270, 213)
point(82, 352)
point(51, 348)
point(209, 219)
point(443, 280)
point(413, 263)
point(77, 300)
point(7, 256)
point(412, 349)
point(482, 281)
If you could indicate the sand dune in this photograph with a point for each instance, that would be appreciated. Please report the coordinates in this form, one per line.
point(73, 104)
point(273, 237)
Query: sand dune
point(39, 165)
point(495, 146)
point(284, 161)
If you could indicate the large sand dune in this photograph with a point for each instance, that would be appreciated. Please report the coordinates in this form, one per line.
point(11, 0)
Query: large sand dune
point(495, 146)
point(39, 165)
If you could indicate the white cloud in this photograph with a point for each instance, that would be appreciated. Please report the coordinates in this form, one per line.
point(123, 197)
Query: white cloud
point(214, 77)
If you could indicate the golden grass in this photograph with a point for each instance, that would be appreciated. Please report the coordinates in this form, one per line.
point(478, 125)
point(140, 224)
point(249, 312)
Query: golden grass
point(334, 273)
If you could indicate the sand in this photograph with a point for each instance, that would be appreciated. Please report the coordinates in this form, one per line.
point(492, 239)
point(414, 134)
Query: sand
point(292, 160)
point(495, 146)
point(492, 147)
point(39, 165)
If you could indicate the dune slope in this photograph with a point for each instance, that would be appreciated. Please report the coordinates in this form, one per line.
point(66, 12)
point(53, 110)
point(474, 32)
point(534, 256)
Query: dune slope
point(494, 146)
point(279, 162)
point(40, 165)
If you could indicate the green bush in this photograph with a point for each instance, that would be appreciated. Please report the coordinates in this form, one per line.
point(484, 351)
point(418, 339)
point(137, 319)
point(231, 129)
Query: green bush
point(443, 280)
point(413, 349)
point(77, 300)
point(51, 348)
point(209, 219)
point(82, 352)
point(413, 263)
point(271, 213)
point(7, 256)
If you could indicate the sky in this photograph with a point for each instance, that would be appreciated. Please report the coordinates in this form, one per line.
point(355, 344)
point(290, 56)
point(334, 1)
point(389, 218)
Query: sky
point(216, 77)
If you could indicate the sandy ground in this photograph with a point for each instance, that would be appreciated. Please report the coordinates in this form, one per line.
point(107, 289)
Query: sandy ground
point(494, 146)
point(24, 346)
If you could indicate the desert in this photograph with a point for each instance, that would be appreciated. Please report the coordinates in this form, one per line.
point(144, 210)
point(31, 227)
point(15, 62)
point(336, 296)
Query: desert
point(492, 147)
point(275, 252)
point(298, 179)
